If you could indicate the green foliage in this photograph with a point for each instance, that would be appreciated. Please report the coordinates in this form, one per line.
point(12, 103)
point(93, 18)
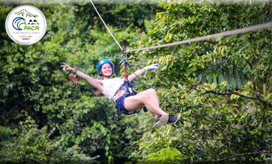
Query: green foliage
point(29, 144)
point(211, 127)
point(166, 155)
point(65, 123)
point(218, 123)
point(121, 14)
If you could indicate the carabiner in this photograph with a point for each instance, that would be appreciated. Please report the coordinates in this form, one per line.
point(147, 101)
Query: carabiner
point(124, 54)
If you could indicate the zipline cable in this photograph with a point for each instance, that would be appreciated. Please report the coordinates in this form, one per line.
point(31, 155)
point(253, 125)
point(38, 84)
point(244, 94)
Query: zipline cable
point(123, 50)
point(233, 32)
point(106, 25)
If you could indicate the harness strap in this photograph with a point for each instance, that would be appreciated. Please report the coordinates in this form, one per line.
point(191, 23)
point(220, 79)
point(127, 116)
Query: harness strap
point(126, 72)
point(127, 83)
point(128, 86)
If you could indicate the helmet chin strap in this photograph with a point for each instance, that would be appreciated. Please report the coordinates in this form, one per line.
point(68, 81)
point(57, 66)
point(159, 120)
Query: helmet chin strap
point(107, 76)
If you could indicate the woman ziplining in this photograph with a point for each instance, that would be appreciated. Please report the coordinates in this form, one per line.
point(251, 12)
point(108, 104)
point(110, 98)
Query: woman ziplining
point(126, 100)
point(117, 89)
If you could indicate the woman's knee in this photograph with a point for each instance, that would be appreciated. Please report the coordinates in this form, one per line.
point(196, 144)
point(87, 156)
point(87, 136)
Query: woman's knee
point(152, 91)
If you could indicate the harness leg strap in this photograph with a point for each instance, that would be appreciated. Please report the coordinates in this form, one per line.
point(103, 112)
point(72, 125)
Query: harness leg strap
point(127, 93)
point(145, 110)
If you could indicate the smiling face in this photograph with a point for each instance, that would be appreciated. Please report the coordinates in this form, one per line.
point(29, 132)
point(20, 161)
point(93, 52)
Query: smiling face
point(106, 69)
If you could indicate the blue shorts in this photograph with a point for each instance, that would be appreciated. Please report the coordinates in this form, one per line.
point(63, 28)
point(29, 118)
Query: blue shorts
point(120, 105)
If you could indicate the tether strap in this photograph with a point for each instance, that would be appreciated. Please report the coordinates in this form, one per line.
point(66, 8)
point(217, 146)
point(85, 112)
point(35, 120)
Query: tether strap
point(105, 25)
point(233, 32)
point(126, 72)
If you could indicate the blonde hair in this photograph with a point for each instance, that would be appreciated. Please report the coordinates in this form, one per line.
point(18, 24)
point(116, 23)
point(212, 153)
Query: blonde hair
point(98, 93)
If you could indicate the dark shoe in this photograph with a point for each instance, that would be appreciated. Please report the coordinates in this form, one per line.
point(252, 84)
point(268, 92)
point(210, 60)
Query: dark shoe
point(161, 120)
point(173, 119)
point(158, 119)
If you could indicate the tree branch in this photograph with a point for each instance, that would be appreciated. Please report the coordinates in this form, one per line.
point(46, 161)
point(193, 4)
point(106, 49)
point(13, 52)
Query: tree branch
point(234, 17)
point(229, 141)
point(242, 145)
point(238, 155)
point(259, 98)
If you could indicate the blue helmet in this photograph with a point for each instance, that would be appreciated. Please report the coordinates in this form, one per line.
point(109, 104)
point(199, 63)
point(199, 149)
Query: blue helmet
point(101, 63)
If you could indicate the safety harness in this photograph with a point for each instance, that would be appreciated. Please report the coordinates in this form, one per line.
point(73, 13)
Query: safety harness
point(127, 84)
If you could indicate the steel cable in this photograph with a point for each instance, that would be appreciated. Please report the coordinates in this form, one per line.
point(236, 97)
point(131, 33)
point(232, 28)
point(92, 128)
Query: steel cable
point(105, 25)
point(233, 32)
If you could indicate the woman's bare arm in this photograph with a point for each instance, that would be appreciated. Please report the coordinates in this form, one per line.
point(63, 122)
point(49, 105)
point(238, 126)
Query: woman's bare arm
point(141, 71)
point(91, 81)
point(138, 73)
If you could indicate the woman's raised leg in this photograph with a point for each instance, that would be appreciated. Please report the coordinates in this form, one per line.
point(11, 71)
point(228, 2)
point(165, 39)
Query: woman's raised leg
point(152, 94)
point(138, 101)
